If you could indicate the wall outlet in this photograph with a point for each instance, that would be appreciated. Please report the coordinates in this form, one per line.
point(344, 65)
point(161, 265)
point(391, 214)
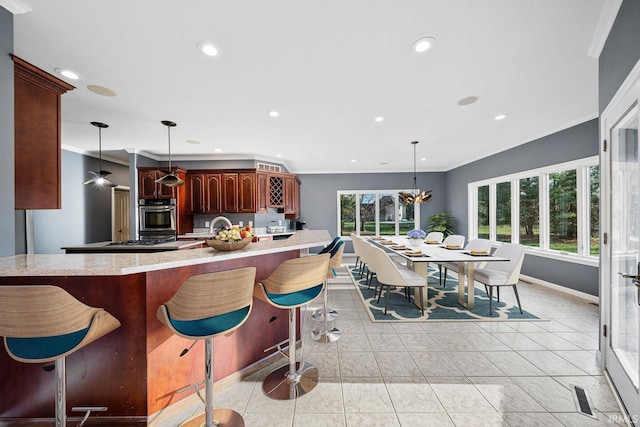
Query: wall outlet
point(206, 223)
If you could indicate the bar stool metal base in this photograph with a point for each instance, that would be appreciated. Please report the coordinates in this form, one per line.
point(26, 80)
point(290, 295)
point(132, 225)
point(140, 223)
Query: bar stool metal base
point(318, 315)
point(222, 417)
point(277, 384)
point(321, 334)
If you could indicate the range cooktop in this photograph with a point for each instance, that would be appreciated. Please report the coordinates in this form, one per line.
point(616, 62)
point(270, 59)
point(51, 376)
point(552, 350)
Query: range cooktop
point(146, 242)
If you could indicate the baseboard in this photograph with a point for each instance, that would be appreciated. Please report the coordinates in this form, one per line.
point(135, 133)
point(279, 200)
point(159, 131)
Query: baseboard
point(564, 289)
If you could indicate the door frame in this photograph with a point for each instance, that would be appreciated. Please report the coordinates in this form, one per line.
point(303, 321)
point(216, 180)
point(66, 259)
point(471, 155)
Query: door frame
point(113, 205)
point(627, 95)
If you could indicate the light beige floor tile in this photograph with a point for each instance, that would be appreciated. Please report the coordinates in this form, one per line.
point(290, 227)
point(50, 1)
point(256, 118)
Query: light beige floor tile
point(597, 388)
point(461, 398)
point(372, 420)
point(385, 342)
point(397, 364)
point(371, 328)
point(548, 392)
point(425, 420)
point(412, 394)
point(235, 397)
point(347, 326)
point(407, 328)
point(584, 341)
point(448, 380)
point(585, 360)
point(512, 364)
point(551, 363)
point(358, 364)
point(484, 342)
point(517, 341)
point(325, 398)
point(527, 326)
point(452, 342)
point(268, 420)
point(575, 419)
point(260, 403)
point(550, 341)
point(473, 364)
point(497, 326)
point(327, 363)
point(365, 395)
point(452, 328)
point(353, 342)
point(505, 395)
point(318, 420)
point(531, 420)
point(435, 363)
point(492, 419)
point(556, 326)
point(419, 342)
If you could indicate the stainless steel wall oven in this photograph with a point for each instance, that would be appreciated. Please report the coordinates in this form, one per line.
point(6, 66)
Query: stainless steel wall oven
point(157, 219)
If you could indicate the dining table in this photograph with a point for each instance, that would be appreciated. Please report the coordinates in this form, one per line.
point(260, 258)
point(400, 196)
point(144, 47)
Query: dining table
point(419, 253)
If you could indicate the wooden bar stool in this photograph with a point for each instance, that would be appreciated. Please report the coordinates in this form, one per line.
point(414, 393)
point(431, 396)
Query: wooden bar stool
point(323, 333)
point(293, 284)
point(44, 323)
point(205, 306)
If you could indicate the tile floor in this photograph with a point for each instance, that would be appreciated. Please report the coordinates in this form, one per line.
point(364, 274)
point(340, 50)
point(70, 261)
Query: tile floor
point(442, 374)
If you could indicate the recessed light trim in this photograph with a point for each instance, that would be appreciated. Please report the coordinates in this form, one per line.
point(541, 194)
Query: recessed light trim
point(278, 155)
point(378, 119)
point(353, 160)
point(423, 44)
point(468, 100)
point(500, 117)
point(101, 90)
point(273, 113)
point(208, 48)
point(70, 74)
point(217, 150)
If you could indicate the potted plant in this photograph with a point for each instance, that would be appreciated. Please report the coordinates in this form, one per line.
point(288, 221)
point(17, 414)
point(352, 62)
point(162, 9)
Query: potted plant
point(416, 236)
point(443, 222)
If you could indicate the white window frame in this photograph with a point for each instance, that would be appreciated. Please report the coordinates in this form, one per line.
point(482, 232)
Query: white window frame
point(378, 193)
point(583, 255)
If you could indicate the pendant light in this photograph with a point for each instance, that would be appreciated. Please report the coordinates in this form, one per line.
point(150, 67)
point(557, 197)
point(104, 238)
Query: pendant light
point(99, 176)
point(170, 179)
point(415, 196)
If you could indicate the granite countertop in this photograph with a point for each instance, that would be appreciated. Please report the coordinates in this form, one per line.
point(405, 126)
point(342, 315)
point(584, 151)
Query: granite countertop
point(101, 264)
point(206, 235)
point(102, 246)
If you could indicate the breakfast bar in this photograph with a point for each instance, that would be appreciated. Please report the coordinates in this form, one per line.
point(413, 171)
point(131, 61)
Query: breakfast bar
point(137, 370)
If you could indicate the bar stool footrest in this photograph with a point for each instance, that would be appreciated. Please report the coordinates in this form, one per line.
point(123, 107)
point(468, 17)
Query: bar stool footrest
point(326, 336)
point(318, 315)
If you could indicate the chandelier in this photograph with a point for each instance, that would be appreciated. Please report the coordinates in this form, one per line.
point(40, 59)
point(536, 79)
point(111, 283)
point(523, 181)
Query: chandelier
point(415, 196)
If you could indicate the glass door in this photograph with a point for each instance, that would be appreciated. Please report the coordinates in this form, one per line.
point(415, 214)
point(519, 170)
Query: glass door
point(621, 287)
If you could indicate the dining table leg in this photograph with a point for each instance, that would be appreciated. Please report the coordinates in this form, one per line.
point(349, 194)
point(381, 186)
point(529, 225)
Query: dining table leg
point(471, 298)
point(465, 280)
point(422, 268)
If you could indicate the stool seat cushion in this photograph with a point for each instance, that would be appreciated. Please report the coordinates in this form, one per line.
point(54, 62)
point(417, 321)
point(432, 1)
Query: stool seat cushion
point(213, 325)
point(45, 347)
point(293, 299)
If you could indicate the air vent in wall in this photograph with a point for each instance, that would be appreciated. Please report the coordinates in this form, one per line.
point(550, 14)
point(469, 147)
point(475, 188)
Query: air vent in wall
point(268, 167)
point(583, 402)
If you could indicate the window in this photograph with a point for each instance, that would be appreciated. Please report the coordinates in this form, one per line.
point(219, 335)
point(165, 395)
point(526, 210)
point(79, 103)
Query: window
point(369, 213)
point(555, 210)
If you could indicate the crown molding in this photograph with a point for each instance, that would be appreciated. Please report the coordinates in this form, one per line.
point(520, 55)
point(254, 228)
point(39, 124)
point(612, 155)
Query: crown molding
point(607, 18)
point(15, 6)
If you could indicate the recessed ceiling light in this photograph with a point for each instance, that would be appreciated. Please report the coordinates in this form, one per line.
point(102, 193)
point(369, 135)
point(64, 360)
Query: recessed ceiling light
point(273, 113)
point(423, 44)
point(379, 119)
point(423, 159)
point(67, 73)
point(468, 100)
point(278, 155)
point(500, 117)
point(101, 90)
point(353, 160)
point(208, 49)
point(192, 141)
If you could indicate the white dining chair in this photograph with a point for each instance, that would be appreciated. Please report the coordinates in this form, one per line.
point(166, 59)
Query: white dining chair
point(502, 273)
point(434, 237)
point(476, 245)
point(389, 273)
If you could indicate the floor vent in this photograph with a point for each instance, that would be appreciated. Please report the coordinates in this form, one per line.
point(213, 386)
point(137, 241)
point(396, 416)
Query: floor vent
point(583, 403)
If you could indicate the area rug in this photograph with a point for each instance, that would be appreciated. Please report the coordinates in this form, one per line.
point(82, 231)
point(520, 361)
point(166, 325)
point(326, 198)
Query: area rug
point(442, 303)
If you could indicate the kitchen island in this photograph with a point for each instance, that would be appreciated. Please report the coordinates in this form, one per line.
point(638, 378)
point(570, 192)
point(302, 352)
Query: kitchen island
point(137, 370)
point(131, 247)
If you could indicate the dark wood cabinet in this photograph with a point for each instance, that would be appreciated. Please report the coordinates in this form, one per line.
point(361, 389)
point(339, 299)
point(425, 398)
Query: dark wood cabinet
point(148, 188)
point(247, 192)
point(37, 110)
point(213, 193)
point(291, 197)
point(203, 193)
point(230, 192)
point(262, 192)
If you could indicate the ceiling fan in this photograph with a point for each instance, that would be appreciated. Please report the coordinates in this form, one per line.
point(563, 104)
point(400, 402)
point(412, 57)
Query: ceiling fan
point(170, 179)
point(99, 176)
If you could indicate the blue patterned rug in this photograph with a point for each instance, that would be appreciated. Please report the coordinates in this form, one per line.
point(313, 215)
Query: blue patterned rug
point(442, 303)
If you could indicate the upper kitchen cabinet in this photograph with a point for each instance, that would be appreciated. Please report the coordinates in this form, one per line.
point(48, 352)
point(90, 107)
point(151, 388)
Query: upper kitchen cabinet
point(148, 188)
point(291, 197)
point(204, 192)
point(37, 137)
point(238, 192)
point(262, 192)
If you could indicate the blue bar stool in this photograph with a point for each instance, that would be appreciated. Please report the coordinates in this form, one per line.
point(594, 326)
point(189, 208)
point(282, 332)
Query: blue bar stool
point(324, 313)
point(294, 283)
point(205, 306)
point(44, 323)
point(323, 333)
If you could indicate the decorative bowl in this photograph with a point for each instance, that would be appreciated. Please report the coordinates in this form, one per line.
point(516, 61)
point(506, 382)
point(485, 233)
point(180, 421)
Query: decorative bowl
point(229, 245)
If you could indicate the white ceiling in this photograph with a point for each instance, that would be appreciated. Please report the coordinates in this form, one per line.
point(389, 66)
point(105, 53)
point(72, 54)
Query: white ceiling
point(329, 67)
